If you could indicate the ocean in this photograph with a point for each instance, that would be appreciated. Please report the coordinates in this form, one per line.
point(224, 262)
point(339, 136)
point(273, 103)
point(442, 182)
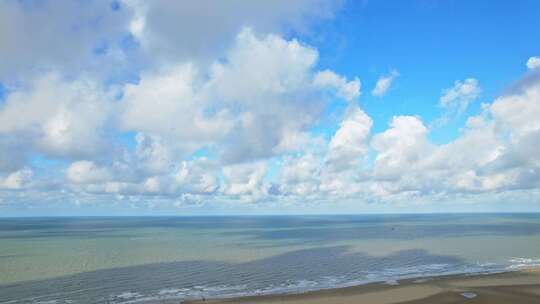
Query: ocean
point(139, 259)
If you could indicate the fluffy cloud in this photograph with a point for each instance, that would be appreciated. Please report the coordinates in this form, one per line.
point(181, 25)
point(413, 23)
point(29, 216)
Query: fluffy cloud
point(348, 90)
point(258, 101)
point(221, 109)
point(267, 83)
point(90, 36)
point(152, 154)
point(58, 117)
point(515, 118)
point(246, 181)
point(460, 95)
point(518, 111)
point(16, 180)
point(166, 104)
point(13, 154)
point(334, 171)
point(494, 152)
point(349, 143)
point(399, 147)
point(198, 177)
point(203, 29)
point(533, 62)
point(239, 113)
point(384, 83)
point(300, 176)
point(86, 172)
point(60, 35)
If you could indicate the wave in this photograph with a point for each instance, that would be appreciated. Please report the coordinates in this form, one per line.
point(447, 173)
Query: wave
point(389, 276)
point(521, 263)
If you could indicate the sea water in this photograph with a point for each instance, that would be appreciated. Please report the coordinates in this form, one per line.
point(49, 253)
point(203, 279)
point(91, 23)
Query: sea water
point(139, 259)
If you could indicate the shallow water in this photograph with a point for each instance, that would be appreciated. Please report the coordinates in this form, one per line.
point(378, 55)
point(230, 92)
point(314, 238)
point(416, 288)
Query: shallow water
point(124, 260)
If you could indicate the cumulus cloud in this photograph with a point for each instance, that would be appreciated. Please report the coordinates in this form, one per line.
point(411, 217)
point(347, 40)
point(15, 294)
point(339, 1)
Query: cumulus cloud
point(198, 177)
point(225, 109)
point(87, 172)
point(300, 176)
point(246, 181)
point(58, 35)
point(57, 117)
point(515, 118)
point(348, 90)
point(258, 101)
point(493, 153)
point(349, 143)
point(399, 147)
point(165, 103)
point(153, 154)
point(266, 82)
point(242, 114)
point(459, 96)
point(533, 63)
point(16, 180)
point(180, 30)
point(384, 83)
point(13, 153)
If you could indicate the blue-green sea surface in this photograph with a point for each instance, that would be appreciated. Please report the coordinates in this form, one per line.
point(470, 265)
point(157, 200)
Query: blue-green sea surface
point(138, 259)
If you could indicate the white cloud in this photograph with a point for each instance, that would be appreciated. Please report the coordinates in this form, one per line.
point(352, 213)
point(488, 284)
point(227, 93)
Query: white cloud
point(215, 101)
point(271, 101)
point(533, 63)
point(198, 177)
point(331, 173)
point(515, 118)
point(165, 103)
point(458, 97)
point(13, 153)
point(494, 152)
point(518, 112)
point(399, 147)
point(349, 143)
point(58, 35)
point(57, 117)
point(153, 155)
point(16, 180)
point(384, 83)
point(238, 111)
point(245, 180)
point(348, 90)
point(300, 175)
point(114, 40)
point(257, 102)
point(87, 172)
point(198, 30)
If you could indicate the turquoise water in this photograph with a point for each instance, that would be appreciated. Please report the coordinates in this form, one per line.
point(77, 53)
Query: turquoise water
point(137, 259)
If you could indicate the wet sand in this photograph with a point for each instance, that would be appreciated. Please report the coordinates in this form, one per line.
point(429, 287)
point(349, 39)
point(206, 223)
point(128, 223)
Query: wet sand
point(511, 287)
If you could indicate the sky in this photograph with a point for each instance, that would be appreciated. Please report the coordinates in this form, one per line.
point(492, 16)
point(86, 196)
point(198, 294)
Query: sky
point(269, 107)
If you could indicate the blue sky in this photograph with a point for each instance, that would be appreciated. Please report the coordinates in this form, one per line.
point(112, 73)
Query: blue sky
point(129, 107)
point(432, 43)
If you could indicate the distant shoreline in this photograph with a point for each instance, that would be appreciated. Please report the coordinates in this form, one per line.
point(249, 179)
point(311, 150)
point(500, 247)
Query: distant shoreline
point(516, 287)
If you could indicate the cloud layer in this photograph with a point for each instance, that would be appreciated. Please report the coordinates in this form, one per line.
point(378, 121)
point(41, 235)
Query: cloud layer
point(229, 114)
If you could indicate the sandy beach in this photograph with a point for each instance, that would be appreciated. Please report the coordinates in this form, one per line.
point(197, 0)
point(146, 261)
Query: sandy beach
point(511, 287)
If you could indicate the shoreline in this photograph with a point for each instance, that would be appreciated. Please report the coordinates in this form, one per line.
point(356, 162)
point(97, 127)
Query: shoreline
point(516, 287)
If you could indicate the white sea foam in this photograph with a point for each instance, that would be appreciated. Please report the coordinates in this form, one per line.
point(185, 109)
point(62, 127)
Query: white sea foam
point(520, 263)
point(390, 276)
point(128, 295)
point(169, 291)
point(468, 295)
